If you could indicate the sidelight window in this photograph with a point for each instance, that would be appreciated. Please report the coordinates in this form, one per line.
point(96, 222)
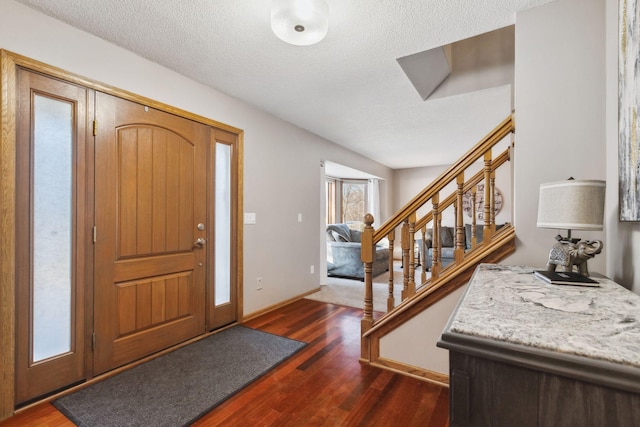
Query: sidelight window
point(52, 227)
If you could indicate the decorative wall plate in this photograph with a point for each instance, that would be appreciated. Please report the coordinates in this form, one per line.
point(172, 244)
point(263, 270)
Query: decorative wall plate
point(466, 202)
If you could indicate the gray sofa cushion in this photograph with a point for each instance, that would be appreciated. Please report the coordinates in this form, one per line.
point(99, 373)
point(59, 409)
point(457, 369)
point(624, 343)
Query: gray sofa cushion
point(467, 235)
point(447, 239)
point(479, 234)
point(344, 260)
point(337, 237)
point(447, 236)
point(356, 236)
point(338, 233)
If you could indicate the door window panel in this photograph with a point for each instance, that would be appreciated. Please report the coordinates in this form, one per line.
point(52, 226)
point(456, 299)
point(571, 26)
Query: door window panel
point(52, 227)
point(222, 224)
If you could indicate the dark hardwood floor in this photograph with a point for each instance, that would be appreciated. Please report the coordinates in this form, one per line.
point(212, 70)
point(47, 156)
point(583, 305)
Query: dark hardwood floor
point(322, 385)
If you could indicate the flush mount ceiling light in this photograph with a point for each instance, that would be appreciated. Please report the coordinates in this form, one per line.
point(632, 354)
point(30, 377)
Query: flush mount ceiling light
point(300, 22)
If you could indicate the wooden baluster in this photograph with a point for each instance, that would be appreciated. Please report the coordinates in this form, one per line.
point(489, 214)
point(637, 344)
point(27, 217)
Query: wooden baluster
point(437, 222)
point(423, 256)
point(404, 242)
point(493, 202)
point(487, 197)
point(474, 214)
point(411, 289)
point(438, 250)
point(458, 254)
point(390, 299)
point(367, 256)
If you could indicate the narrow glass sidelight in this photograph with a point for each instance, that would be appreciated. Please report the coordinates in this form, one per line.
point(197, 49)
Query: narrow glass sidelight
point(52, 228)
point(223, 224)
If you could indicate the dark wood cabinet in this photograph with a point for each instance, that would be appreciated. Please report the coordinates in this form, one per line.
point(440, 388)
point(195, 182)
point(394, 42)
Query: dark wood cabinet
point(487, 393)
point(497, 382)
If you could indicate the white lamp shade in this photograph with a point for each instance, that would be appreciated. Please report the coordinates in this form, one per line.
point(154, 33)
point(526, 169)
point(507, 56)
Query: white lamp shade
point(300, 22)
point(571, 205)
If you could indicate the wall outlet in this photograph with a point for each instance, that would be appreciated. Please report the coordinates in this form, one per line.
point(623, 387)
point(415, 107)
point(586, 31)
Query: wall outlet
point(312, 269)
point(259, 283)
point(299, 217)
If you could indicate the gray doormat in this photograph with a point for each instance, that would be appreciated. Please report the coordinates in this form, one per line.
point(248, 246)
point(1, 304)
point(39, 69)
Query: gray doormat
point(179, 387)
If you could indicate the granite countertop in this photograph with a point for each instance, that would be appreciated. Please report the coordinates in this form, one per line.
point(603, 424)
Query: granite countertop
point(509, 304)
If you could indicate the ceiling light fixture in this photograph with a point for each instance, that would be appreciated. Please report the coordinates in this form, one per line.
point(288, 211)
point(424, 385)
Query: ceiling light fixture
point(300, 22)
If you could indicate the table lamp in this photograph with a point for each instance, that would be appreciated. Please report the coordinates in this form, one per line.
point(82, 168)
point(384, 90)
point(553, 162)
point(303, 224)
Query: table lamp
point(572, 205)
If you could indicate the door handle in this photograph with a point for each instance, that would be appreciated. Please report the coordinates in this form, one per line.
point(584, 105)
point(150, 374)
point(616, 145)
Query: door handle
point(199, 242)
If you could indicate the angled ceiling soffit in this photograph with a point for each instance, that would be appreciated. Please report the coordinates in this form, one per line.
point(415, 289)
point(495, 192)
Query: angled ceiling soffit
point(477, 63)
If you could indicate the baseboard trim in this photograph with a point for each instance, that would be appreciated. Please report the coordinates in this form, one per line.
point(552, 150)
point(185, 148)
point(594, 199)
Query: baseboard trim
point(412, 371)
point(278, 305)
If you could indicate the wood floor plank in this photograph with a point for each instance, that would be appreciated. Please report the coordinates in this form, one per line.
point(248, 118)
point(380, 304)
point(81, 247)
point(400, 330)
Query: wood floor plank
point(43, 415)
point(322, 385)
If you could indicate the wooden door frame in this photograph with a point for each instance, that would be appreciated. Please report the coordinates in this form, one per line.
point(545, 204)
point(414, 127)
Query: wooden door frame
point(9, 62)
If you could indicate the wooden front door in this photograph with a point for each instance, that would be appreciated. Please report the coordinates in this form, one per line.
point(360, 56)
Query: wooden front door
point(150, 235)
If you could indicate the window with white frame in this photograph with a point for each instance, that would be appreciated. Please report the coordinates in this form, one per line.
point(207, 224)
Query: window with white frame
point(347, 201)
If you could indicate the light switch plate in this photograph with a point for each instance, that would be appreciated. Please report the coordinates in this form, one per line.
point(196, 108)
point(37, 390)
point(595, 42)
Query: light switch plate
point(249, 218)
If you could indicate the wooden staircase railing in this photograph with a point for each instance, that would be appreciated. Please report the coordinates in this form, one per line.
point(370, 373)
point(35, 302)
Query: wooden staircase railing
point(481, 166)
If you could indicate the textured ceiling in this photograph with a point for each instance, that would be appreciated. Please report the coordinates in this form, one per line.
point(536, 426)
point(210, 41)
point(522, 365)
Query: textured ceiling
point(348, 88)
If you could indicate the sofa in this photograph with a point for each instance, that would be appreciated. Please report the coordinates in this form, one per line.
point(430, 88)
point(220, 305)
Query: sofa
point(344, 253)
point(447, 241)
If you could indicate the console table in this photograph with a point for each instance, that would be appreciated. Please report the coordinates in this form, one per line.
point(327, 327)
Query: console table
point(526, 353)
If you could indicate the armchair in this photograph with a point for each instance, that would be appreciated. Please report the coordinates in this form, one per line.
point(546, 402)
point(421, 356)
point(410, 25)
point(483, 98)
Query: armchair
point(344, 253)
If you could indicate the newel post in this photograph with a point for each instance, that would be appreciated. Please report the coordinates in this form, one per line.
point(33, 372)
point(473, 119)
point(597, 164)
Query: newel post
point(367, 256)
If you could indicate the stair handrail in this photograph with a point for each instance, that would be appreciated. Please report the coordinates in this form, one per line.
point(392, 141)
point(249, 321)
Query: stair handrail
point(470, 157)
point(406, 217)
point(472, 182)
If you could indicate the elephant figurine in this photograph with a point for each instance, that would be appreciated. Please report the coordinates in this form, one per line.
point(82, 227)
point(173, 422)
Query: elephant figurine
point(566, 254)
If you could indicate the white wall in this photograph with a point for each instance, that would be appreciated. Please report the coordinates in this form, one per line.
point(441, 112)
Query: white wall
point(402, 345)
point(622, 244)
point(479, 62)
point(567, 124)
point(282, 174)
point(409, 182)
point(560, 113)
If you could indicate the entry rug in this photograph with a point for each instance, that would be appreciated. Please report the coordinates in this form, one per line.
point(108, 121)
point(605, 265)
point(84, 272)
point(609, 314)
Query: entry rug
point(179, 387)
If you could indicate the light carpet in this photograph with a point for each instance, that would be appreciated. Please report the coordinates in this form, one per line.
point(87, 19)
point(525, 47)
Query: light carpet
point(350, 293)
